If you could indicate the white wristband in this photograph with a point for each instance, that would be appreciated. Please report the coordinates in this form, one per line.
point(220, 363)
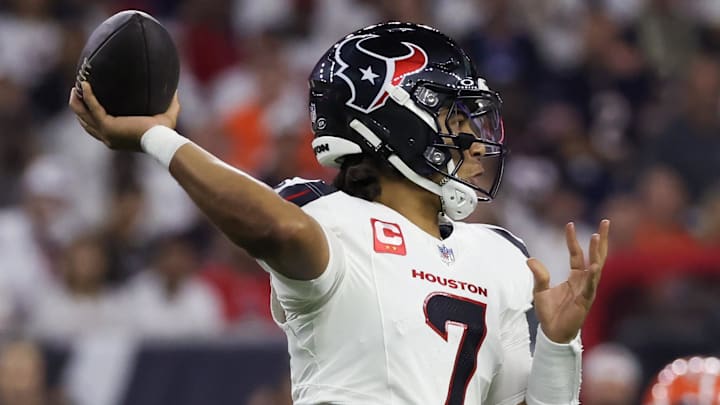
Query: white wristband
point(555, 375)
point(161, 143)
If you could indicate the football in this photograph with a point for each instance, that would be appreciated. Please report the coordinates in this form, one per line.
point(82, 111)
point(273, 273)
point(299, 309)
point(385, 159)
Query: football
point(131, 63)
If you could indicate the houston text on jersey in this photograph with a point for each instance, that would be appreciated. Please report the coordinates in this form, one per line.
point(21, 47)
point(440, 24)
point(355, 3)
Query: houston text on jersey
point(454, 284)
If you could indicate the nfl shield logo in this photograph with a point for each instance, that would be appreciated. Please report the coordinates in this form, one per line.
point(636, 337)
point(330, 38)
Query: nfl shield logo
point(446, 254)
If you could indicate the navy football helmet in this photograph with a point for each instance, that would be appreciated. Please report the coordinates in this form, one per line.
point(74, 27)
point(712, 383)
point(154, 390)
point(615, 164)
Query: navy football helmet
point(383, 90)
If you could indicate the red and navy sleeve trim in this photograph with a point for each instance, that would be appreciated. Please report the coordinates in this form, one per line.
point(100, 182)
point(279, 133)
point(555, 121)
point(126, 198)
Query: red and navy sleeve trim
point(303, 193)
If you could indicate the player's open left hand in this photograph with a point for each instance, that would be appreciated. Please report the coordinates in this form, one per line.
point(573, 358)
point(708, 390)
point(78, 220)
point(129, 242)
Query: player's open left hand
point(116, 132)
point(562, 309)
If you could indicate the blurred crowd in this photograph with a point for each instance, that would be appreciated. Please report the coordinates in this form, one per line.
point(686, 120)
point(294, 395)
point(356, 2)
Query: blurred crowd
point(611, 109)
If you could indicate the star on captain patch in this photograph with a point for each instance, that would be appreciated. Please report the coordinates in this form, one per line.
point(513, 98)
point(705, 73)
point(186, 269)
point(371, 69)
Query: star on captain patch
point(369, 75)
point(446, 254)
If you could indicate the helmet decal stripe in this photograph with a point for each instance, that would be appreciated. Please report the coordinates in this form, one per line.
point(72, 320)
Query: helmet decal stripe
point(415, 62)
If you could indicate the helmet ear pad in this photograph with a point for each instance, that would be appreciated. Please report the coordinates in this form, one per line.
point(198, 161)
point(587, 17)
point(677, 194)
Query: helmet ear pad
point(328, 115)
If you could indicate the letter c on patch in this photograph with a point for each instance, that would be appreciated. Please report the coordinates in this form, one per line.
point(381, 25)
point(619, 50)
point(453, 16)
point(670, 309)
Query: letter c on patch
point(388, 237)
point(388, 233)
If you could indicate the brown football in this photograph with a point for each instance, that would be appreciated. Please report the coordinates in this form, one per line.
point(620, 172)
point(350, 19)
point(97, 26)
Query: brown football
point(132, 64)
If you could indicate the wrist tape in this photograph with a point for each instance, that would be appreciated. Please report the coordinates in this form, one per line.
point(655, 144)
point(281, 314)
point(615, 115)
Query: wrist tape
point(555, 375)
point(161, 143)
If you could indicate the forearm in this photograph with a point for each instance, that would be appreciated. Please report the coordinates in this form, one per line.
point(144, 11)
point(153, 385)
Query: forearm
point(250, 213)
point(242, 207)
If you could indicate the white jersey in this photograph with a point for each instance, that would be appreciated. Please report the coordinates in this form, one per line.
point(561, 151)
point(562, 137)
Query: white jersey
point(401, 317)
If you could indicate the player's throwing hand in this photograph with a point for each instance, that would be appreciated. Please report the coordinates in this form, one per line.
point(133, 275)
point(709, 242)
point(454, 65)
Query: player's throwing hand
point(116, 132)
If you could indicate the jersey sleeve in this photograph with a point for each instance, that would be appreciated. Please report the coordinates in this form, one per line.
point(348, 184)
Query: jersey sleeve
point(304, 296)
point(510, 382)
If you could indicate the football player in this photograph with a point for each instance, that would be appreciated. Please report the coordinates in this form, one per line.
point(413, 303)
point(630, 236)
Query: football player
point(385, 296)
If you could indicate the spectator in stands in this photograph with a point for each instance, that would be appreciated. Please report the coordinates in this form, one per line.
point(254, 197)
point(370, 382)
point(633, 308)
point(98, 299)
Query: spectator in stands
point(277, 394)
point(167, 300)
point(416, 11)
point(663, 223)
point(626, 211)
point(121, 231)
point(267, 111)
point(289, 162)
point(659, 278)
point(22, 376)
point(79, 303)
point(30, 41)
point(611, 376)
point(243, 287)
point(690, 143)
point(18, 143)
point(206, 39)
point(708, 218)
point(668, 36)
point(33, 233)
point(502, 50)
point(47, 90)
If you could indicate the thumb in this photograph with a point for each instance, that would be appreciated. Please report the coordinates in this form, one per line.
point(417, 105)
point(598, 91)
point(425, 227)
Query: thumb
point(540, 273)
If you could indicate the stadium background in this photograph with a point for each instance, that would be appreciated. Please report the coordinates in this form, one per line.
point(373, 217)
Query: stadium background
point(114, 290)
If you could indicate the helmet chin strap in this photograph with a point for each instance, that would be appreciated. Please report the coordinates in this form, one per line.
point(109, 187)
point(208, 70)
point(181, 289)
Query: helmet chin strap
point(458, 200)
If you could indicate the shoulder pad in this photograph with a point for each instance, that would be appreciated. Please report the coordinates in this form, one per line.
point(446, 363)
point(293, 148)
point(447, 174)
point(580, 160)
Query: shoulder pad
point(301, 192)
point(510, 238)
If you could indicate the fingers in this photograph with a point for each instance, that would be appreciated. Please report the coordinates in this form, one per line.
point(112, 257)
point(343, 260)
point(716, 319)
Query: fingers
point(599, 243)
point(83, 123)
point(75, 102)
point(82, 114)
point(604, 231)
point(594, 249)
point(598, 254)
point(577, 258)
point(80, 109)
point(89, 129)
point(540, 274)
point(93, 105)
point(591, 283)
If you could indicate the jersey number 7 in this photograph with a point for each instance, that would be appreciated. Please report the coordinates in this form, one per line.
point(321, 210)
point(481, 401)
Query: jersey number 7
point(442, 309)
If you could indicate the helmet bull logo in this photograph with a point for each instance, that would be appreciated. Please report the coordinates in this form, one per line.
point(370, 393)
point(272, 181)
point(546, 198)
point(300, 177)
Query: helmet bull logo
point(368, 74)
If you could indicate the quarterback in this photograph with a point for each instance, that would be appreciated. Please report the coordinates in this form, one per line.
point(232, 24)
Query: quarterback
point(386, 297)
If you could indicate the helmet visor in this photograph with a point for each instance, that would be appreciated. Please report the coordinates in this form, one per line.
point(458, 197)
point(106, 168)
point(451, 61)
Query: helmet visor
point(478, 115)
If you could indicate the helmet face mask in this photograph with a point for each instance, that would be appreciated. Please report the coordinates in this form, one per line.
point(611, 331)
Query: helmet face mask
point(409, 95)
point(465, 118)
